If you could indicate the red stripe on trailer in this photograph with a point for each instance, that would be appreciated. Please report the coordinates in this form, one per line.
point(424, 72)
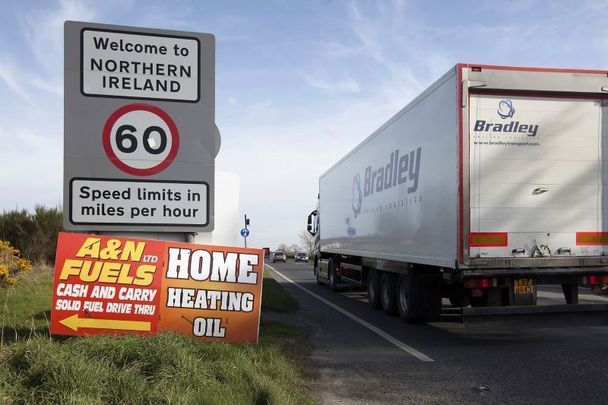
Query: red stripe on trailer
point(489, 239)
point(459, 68)
point(533, 69)
point(591, 238)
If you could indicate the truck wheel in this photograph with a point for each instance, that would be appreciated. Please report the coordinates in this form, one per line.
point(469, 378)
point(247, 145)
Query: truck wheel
point(373, 289)
point(388, 293)
point(409, 303)
point(403, 296)
point(317, 275)
point(331, 273)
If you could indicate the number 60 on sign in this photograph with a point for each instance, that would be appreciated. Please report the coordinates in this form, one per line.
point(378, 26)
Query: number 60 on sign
point(140, 139)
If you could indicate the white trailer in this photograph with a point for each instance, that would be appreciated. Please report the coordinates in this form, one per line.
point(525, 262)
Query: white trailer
point(492, 181)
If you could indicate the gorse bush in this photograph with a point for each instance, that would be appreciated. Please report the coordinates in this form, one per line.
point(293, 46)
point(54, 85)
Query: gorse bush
point(11, 264)
point(35, 235)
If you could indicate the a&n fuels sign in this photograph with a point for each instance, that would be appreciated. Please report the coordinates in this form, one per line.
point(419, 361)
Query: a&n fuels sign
point(109, 285)
point(140, 136)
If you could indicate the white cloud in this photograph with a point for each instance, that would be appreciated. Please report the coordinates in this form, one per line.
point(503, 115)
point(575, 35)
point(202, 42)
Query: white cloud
point(11, 78)
point(344, 85)
point(32, 167)
point(43, 31)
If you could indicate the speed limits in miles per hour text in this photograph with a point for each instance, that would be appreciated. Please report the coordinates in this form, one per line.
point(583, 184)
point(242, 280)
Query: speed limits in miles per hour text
point(123, 202)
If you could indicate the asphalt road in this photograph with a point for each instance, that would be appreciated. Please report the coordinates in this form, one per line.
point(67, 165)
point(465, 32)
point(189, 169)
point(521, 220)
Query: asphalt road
point(366, 356)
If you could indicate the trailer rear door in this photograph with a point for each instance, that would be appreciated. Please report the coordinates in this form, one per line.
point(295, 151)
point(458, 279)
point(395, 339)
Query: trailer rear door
point(537, 175)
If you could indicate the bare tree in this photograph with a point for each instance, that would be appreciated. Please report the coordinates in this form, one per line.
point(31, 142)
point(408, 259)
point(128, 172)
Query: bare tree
point(308, 241)
point(293, 249)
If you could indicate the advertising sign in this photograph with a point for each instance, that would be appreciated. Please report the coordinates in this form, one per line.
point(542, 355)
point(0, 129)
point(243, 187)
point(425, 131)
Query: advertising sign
point(139, 115)
point(109, 285)
point(212, 292)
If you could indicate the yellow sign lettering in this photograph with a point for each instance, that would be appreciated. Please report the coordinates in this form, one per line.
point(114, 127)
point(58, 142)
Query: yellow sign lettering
point(90, 248)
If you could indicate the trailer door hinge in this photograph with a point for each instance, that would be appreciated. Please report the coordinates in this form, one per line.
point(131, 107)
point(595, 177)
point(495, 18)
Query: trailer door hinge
point(466, 85)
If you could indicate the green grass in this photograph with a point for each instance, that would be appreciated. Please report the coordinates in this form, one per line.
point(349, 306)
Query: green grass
point(274, 297)
point(165, 368)
point(25, 307)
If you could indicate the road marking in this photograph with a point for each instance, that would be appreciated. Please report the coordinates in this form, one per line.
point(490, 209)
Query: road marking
point(377, 331)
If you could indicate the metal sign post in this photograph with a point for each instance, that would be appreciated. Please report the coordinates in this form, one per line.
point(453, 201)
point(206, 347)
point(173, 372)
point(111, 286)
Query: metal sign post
point(245, 231)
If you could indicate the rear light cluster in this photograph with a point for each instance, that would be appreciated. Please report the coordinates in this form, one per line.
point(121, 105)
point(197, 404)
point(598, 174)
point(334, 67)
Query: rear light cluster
point(596, 279)
point(477, 283)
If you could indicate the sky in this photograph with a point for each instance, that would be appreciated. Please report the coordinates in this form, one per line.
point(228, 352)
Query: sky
point(299, 83)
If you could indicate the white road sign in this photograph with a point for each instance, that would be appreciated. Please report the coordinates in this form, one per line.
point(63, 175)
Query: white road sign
point(140, 139)
point(123, 64)
point(149, 203)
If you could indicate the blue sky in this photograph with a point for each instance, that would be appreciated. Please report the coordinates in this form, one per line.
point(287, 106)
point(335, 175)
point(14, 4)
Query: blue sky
point(298, 83)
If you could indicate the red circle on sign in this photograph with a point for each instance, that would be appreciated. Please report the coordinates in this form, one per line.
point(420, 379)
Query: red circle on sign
point(107, 142)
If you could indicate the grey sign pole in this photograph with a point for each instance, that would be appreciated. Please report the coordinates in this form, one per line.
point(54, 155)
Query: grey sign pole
point(140, 139)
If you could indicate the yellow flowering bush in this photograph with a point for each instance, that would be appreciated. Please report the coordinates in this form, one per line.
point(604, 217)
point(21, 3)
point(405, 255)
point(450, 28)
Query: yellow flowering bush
point(11, 264)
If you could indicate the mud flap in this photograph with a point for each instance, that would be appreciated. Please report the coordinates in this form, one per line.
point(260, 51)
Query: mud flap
point(425, 294)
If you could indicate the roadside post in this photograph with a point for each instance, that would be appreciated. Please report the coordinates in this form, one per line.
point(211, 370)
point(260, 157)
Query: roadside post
point(245, 231)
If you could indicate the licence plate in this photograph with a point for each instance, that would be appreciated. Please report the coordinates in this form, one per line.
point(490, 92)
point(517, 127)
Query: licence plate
point(523, 286)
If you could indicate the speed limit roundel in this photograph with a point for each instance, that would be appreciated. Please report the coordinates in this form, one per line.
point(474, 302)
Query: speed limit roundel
point(140, 139)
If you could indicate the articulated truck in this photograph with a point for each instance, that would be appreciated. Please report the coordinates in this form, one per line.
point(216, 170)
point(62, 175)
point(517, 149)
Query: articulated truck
point(491, 182)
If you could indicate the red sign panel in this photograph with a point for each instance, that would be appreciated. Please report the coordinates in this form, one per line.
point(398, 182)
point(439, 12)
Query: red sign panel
point(108, 285)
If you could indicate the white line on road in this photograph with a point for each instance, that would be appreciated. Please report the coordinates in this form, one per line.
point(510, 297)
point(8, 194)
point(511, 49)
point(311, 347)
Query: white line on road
point(379, 332)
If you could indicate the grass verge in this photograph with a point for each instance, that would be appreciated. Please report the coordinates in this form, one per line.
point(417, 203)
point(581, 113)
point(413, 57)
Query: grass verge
point(25, 307)
point(274, 297)
point(165, 368)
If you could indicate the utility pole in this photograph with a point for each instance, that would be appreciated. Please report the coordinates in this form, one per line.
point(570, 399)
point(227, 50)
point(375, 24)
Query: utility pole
point(245, 231)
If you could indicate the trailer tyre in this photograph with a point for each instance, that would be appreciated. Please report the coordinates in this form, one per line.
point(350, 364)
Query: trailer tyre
point(373, 289)
point(406, 311)
point(388, 293)
point(409, 302)
point(331, 270)
point(403, 296)
point(317, 273)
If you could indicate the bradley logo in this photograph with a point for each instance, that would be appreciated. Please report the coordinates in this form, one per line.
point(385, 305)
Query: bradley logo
point(506, 110)
point(400, 169)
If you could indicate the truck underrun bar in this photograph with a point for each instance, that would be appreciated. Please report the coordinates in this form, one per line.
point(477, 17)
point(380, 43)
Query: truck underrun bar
point(540, 316)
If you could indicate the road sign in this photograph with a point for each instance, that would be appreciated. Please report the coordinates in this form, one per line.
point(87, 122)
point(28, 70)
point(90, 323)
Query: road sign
point(121, 63)
point(142, 203)
point(244, 232)
point(140, 138)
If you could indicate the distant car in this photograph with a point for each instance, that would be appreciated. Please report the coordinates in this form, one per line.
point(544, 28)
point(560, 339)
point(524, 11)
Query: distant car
point(279, 256)
point(301, 257)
